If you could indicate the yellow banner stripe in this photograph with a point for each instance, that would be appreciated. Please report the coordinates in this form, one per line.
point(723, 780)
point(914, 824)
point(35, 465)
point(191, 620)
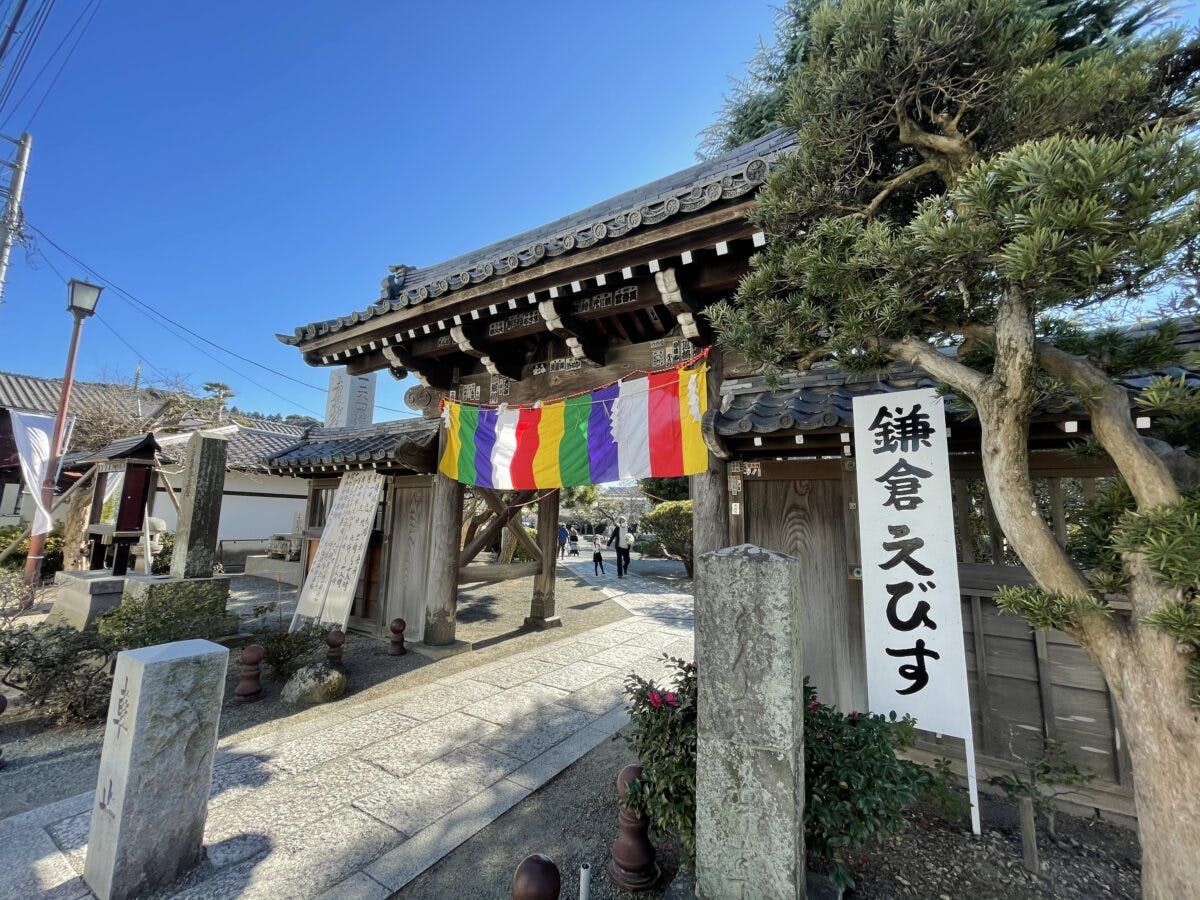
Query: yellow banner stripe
point(546, 471)
point(448, 465)
point(693, 402)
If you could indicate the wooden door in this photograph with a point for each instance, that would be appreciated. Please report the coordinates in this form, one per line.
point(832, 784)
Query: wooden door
point(805, 519)
point(408, 553)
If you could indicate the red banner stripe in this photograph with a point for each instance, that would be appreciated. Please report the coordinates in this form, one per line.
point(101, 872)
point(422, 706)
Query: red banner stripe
point(526, 450)
point(666, 438)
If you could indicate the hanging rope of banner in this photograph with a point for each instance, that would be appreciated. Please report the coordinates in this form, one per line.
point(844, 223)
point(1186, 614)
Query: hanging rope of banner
point(683, 364)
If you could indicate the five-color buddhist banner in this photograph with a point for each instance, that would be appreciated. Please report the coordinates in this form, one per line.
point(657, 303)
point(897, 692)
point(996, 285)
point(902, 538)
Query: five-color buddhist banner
point(644, 427)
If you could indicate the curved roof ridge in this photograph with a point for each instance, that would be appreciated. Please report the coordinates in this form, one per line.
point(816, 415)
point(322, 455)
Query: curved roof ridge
point(725, 177)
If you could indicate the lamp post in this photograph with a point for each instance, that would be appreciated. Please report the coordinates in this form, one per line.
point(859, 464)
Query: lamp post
point(82, 298)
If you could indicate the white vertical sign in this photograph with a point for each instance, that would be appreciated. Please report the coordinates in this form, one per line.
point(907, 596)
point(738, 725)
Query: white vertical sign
point(916, 663)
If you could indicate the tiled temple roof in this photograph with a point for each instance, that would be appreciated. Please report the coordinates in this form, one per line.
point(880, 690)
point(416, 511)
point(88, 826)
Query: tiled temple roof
point(409, 444)
point(726, 177)
point(822, 398)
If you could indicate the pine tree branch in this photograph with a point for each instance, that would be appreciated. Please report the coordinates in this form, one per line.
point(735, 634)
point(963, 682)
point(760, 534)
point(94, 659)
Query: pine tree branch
point(1112, 423)
point(926, 168)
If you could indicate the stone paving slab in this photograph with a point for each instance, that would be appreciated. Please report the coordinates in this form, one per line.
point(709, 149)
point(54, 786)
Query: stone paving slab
point(356, 799)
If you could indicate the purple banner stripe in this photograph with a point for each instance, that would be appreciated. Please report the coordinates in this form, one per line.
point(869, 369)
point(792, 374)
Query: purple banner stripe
point(602, 448)
point(485, 440)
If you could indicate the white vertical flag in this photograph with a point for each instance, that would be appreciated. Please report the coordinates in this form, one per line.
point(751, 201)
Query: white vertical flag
point(32, 434)
point(916, 663)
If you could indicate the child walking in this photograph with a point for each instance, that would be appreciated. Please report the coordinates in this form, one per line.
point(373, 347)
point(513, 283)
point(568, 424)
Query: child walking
point(597, 557)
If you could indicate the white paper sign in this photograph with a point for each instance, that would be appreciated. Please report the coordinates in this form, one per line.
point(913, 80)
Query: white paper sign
point(328, 592)
point(916, 663)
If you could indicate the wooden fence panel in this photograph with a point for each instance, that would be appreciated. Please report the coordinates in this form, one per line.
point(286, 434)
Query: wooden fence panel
point(1024, 686)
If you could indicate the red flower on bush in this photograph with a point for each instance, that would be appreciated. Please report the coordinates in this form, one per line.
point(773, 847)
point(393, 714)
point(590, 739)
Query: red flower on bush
point(671, 699)
point(814, 704)
point(655, 699)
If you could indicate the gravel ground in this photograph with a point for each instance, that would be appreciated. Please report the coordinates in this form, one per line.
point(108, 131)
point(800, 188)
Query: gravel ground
point(937, 858)
point(45, 762)
point(572, 820)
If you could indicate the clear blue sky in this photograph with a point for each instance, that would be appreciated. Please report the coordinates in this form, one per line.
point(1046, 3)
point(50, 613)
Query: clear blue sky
point(247, 167)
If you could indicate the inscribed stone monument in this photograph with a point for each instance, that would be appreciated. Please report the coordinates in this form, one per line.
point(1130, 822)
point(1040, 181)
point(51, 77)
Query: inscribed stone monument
point(155, 768)
point(750, 726)
point(200, 508)
point(351, 399)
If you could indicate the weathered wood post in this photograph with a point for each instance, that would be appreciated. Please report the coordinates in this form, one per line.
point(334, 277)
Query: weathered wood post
point(710, 489)
point(445, 525)
point(155, 768)
point(710, 508)
point(200, 508)
point(750, 725)
point(541, 608)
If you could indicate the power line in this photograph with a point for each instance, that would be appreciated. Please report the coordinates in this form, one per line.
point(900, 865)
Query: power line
point(167, 320)
point(27, 41)
point(136, 352)
point(94, 6)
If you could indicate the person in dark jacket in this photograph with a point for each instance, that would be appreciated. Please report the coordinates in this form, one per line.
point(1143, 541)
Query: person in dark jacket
point(622, 537)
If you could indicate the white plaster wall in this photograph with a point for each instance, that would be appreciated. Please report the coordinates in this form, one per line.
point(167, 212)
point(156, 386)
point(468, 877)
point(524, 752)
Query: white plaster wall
point(254, 506)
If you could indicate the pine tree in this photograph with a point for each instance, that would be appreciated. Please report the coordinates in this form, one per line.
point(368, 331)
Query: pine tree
point(975, 173)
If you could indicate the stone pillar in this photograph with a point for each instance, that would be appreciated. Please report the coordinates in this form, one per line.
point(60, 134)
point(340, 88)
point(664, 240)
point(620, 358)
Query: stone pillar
point(445, 527)
point(710, 508)
point(750, 726)
point(155, 768)
point(200, 508)
point(541, 608)
point(351, 399)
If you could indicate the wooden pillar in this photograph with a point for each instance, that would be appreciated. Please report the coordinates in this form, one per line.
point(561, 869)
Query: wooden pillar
point(710, 489)
point(445, 525)
point(710, 508)
point(541, 609)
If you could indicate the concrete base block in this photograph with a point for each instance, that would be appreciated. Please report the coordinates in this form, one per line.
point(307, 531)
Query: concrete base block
point(440, 651)
point(208, 596)
point(83, 597)
point(275, 569)
point(539, 624)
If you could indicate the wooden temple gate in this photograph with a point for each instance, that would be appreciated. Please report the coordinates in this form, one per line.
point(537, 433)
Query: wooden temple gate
point(621, 287)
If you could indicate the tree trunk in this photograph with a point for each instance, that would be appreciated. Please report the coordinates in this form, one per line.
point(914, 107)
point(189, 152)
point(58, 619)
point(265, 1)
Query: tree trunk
point(1163, 732)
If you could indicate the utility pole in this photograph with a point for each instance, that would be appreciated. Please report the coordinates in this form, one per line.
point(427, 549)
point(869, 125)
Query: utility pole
point(12, 207)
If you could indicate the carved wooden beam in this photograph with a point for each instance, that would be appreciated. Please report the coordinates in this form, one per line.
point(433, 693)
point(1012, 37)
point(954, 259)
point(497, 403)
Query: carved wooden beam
point(694, 328)
point(497, 362)
point(425, 371)
point(582, 340)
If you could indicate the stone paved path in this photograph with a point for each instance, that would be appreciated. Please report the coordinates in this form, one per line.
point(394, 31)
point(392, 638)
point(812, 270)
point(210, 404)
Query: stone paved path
point(355, 800)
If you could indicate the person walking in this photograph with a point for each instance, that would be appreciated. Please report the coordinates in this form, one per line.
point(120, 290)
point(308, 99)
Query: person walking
point(573, 540)
point(624, 540)
point(562, 541)
point(597, 557)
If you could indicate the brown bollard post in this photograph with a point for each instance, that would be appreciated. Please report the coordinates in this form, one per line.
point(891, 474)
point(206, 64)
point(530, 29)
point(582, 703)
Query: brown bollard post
point(397, 628)
point(536, 878)
point(3, 706)
point(334, 642)
point(250, 686)
point(632, 867)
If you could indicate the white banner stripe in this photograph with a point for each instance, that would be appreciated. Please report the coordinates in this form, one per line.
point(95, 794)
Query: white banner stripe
point(630, 428)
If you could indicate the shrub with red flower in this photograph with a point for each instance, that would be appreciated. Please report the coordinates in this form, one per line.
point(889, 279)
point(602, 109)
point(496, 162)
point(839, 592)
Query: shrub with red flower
point(665, 743)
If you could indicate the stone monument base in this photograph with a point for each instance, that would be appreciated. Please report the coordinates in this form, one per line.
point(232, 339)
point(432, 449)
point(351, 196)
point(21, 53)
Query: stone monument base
point(288, 571)
point(83, 597)
point(440, 651)
point(207, 596)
